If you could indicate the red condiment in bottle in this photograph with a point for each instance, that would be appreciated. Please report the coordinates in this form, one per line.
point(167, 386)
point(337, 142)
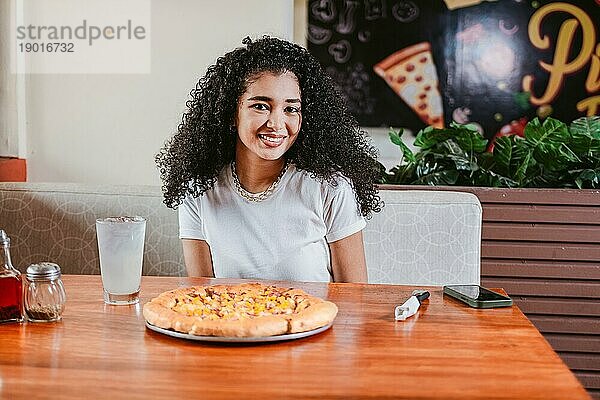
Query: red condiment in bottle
point(11, 289)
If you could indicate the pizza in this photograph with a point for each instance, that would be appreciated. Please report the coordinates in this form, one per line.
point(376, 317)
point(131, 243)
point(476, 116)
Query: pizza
point(245, 310)
point(411, 73)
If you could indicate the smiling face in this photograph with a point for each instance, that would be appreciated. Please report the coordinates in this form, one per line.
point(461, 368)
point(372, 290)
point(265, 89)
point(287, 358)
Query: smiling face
point(268, 117)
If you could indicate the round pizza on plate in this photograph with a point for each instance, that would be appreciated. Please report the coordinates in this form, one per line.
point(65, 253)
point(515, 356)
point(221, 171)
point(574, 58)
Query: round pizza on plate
point(245, 310)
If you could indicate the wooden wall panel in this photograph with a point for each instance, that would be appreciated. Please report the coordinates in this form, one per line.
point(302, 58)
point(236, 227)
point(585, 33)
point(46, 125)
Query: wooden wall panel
point(589, 380)
point(561, 306)
point(556, 214)
point(531, 250)
point(541, 232)
point(541, 269)
point(566, 324)
point(545, 287)
point(583, 343)
point(582, 361)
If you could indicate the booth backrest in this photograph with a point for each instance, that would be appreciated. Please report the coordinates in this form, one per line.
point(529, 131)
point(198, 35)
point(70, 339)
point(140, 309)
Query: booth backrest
point(425, 238)
point(56, 222)
point(420, 237)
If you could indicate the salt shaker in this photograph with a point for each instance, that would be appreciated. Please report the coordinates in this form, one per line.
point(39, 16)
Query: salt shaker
point(44, 292)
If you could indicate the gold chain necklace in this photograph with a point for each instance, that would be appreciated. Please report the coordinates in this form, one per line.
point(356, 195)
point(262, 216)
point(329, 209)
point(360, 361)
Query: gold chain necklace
point(256, 197)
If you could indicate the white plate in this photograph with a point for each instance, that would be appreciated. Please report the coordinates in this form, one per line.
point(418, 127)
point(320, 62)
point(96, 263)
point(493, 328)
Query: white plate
point(229, 339)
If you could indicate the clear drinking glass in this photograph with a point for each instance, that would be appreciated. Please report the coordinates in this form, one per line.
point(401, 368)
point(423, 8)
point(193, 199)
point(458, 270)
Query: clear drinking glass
point(121, 251)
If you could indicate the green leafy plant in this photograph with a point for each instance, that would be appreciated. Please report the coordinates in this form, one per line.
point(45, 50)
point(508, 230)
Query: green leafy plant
point(551, 154)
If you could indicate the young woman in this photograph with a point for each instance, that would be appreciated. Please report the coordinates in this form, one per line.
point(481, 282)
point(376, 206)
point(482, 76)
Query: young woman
point(271, 174)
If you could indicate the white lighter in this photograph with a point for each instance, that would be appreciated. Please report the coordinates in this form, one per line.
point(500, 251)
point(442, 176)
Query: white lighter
point(410, 306)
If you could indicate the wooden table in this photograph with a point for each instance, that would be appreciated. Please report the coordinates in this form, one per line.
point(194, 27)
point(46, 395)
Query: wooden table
point(446, 351)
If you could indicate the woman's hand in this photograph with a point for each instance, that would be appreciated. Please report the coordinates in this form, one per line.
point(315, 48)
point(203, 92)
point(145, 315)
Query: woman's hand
point(198, 261)
point(348, 259)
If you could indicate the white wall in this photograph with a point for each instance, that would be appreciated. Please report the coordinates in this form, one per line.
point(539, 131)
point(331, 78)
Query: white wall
point(9, 143)
point(107, 128)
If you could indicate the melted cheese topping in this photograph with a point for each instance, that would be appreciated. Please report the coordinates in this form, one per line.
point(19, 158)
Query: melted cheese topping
point(222, 304)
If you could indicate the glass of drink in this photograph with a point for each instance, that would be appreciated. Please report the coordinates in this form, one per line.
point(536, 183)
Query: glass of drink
point(121, 250)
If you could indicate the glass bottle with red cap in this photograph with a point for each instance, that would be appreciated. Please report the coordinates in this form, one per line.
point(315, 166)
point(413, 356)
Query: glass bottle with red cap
point(11, 285)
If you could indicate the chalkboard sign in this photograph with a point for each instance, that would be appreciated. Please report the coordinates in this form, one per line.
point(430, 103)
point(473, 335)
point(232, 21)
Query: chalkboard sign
point(496, 64)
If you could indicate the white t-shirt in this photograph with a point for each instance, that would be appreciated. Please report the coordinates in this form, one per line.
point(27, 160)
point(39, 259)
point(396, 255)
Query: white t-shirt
point(283, 237)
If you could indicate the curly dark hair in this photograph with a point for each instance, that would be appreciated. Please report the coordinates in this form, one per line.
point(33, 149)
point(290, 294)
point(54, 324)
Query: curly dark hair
point(329, 142)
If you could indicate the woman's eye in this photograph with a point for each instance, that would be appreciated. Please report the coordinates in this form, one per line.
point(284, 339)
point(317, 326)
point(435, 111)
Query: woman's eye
point(260, 106)
point(292, 109)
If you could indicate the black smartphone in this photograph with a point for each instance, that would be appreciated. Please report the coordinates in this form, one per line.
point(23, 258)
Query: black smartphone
point(477, 296)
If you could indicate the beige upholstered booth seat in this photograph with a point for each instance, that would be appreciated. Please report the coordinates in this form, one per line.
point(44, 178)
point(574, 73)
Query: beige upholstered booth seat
point(420, 237)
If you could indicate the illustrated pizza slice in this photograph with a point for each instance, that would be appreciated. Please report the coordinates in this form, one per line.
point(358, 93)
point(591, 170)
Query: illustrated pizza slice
point(411, 73)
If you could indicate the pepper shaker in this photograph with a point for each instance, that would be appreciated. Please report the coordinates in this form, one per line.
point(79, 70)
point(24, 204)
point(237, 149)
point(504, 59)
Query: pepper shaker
point(45, 295)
